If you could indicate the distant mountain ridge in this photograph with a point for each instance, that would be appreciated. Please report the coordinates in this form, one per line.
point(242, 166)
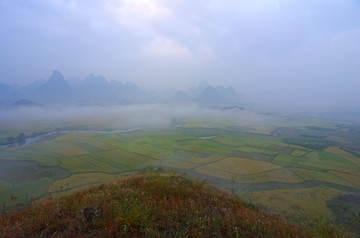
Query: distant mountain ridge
point(207, 94)
point(98, 90)
point(5, 92)
point(24, 103)
point(54, 90)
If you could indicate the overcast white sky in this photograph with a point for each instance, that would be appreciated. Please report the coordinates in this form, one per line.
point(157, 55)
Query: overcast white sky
point(295, 51)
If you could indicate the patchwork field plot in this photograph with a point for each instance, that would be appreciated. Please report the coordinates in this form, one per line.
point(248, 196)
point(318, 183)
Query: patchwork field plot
point(122, 159)
point(236, 165)
point(344, 154)
point(25, 192)
point(296, 203)
point(329, 161)
point(313, 175)
point(69, 149)
point(146, 150)
point(355, 180)
point(264, 142)
point(204, 160)
point(176, 164)
point(86, 164)
point(254, 150)
point(36, 152)
point(288, 160)
point(294, 176)
point(276, 175)
point(298, 153)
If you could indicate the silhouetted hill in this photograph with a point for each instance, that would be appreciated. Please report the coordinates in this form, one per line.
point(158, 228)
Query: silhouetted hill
point(180, 97)
point(93, 89)
point(97, 90)
point(54, 90)
point(229, 94)
point(73, 81)
point(129, 91)
point(210, 96)
point(5, 92)
point(195, 92)
point(24, 103)
point(219, 95)
point(32, 86)
point(25, 91)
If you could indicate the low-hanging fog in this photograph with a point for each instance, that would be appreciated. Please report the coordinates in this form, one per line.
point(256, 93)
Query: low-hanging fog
point(115, 117)
point(278, 52)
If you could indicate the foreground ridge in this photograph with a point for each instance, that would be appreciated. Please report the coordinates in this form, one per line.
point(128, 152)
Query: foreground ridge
point(160, 204)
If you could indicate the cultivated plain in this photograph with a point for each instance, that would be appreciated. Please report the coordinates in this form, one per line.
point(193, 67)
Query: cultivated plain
point(295, 167)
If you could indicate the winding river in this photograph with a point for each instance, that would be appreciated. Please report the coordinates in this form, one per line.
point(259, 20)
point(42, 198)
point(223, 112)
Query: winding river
point(50, 135)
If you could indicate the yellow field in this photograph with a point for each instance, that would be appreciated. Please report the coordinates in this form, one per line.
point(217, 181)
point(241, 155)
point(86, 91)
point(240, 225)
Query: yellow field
point(237, 165)
point(313, 155)
point(298, 203)
point(68, 149)
point(228, 142)
point(262, 130)
point(100, 144)
point(298, 153)
point(73, 137)
point(351, 178)
point(281, 144)
point(312, 175)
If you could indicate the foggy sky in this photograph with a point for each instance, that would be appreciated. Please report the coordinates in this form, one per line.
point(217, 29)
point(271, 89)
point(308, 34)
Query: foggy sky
point(288, 52)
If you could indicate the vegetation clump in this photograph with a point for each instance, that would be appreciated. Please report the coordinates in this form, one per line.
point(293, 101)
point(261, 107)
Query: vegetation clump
point(152, 204)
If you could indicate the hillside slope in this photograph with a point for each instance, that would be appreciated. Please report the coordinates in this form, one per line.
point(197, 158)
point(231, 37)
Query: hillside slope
point(151, 204)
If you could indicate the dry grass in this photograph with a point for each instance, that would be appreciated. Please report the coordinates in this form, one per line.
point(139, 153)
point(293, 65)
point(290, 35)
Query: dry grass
point(149, 205)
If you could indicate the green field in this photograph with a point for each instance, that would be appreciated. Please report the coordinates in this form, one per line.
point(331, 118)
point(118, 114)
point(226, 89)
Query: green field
point(282, 174)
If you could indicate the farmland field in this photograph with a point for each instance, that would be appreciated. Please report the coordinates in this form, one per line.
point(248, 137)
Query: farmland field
point(286, 167)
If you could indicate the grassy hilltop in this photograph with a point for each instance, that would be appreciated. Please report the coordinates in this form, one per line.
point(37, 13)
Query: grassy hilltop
point(160, 204)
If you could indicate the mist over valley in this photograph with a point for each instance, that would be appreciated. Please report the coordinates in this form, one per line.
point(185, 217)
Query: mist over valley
point(180, 118)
